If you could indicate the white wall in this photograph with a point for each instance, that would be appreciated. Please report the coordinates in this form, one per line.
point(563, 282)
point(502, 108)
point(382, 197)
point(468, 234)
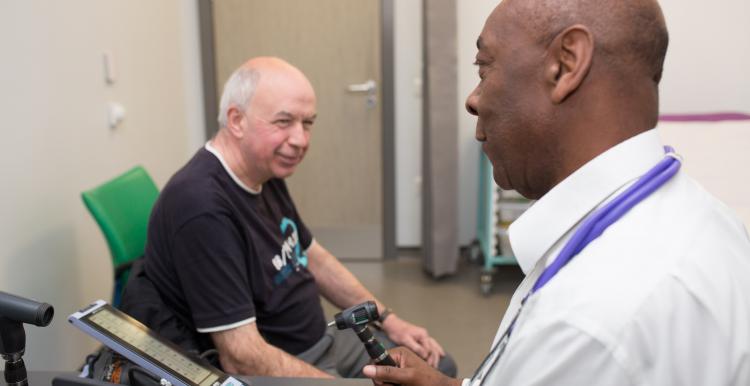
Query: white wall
point(56, 142)
point(707, 63)
point(708, 149)
point(408, 116)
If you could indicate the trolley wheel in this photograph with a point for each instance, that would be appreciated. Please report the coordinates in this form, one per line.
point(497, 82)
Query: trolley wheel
point(475, 252)
point(485, 283)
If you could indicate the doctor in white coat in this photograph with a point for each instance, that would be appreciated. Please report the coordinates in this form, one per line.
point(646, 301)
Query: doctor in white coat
point(635, 275)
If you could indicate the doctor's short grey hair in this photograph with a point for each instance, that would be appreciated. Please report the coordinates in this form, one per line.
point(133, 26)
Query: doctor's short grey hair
point(238, 91)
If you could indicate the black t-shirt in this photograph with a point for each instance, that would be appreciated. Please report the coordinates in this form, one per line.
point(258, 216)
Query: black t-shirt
point(221, 255)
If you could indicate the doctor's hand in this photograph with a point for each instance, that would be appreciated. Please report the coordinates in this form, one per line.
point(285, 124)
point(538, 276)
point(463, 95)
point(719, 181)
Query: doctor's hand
point(413, 337)
point(411, 371)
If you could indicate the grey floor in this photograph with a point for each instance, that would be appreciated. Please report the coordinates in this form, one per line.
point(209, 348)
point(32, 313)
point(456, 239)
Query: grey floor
point(452, 309)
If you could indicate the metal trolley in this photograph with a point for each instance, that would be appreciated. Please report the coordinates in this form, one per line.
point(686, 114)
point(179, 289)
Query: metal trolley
point(496, 209)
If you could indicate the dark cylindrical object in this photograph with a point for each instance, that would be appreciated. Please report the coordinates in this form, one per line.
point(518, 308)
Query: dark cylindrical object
point(25, 310)
point(379, 354)
point(15, 373)
point(374, 348)
point(363, 333)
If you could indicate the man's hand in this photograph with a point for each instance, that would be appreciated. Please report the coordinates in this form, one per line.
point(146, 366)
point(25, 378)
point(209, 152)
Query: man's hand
point(413, 337)
point(411, 371)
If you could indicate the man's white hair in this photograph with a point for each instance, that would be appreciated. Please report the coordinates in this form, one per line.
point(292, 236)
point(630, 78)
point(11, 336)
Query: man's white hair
point(238, 90)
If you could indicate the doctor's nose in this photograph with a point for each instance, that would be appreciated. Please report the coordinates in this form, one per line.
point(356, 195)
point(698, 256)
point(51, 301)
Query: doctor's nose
point(471, 102)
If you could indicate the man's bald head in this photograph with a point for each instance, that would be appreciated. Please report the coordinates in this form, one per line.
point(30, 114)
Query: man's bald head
point(242, 84)
point(272, 66)
point(629, 35)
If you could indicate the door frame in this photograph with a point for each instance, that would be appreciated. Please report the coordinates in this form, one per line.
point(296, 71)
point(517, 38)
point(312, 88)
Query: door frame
point(387, 100)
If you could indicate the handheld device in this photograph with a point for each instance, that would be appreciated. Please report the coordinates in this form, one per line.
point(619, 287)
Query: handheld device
point(356, 318)
point(138, 343)
point(358, 315)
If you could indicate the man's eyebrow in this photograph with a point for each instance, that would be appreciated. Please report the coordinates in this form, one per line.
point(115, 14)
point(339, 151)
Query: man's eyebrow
point(284, 114)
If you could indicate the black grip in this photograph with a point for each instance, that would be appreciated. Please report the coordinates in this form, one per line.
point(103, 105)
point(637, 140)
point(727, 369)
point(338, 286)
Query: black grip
point(378, 353)
point(15, 372)
point(387, 361)
point(24, 310)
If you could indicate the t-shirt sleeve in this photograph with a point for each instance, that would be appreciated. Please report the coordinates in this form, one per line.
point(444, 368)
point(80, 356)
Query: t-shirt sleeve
point(212, 270)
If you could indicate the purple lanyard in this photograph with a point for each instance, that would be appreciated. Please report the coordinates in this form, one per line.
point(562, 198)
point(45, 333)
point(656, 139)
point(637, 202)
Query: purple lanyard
point(593, 226)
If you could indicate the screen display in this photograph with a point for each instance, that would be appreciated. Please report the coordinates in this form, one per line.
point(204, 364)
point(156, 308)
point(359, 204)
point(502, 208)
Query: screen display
point(133, 334)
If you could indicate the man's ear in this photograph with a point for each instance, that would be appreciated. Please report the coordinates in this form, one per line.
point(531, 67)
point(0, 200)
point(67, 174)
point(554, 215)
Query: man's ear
point(234, 121)
point(568, 61)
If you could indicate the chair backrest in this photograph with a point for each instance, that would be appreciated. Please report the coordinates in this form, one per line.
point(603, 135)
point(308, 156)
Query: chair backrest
point(122, 207)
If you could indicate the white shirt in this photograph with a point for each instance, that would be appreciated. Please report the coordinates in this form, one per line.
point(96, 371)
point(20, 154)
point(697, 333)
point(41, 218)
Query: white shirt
point(662, 297)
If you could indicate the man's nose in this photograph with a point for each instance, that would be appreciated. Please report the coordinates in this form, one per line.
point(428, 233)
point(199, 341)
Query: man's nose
point(298, 136)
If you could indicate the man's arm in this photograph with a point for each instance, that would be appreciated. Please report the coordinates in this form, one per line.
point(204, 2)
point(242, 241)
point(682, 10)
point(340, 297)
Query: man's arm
point(341, 288)
point(336, 283)
point(243, 350)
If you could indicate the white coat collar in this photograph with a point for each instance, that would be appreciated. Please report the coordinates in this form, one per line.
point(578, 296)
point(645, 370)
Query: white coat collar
point(564, 206)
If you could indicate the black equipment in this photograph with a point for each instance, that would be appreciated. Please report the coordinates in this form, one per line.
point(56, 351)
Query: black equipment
point(356, 318)
point(14, 312)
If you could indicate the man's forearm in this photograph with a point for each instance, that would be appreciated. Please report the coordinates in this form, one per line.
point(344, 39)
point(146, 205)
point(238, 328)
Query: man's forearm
point(273, 362)
point(336, 283)
point(243, 351)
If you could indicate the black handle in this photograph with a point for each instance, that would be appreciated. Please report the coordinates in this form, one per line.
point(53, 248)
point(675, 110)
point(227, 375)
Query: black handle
point(15, 373)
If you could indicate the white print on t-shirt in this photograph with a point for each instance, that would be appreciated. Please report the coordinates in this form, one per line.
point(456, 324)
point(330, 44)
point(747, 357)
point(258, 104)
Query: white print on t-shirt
point(286, 251)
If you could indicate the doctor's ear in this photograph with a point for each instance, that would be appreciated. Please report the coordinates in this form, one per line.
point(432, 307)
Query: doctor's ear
point(568, 61)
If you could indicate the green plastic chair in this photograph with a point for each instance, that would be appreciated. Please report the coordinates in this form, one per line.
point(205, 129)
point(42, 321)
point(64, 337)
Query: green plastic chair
point(122, 207)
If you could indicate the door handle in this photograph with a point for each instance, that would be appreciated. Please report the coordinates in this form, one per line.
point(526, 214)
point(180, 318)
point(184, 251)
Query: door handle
point(370, 88)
